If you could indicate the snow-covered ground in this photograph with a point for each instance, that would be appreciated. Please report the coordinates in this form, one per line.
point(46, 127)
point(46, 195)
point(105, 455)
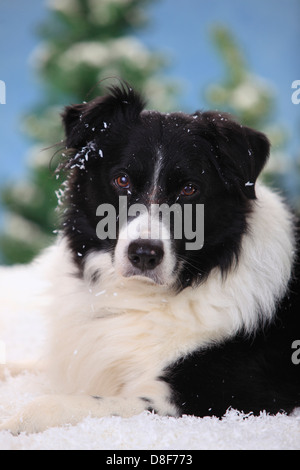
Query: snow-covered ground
point(22, 332)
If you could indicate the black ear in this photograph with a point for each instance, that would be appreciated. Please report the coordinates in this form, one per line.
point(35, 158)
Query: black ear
point(82, 120)
point(71, 116)
point(239, 152)
point(259, 148)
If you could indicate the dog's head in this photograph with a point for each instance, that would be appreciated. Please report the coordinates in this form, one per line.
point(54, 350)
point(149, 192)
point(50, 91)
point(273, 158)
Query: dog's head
point(165, 195)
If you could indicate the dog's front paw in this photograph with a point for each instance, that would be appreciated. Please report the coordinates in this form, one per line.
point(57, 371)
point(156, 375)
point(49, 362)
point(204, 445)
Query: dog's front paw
point(14, 369)
point(14, 425)
point(41, 414)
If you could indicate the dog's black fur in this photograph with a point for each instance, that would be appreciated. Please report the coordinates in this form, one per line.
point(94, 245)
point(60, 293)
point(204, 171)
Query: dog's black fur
point(251, 374)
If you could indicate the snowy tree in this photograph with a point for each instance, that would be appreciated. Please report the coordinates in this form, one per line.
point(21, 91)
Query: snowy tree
point(83, 43)
point(252, 100)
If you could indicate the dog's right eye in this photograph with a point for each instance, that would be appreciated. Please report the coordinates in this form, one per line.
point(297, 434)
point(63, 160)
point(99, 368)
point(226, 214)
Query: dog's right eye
point(122, 182)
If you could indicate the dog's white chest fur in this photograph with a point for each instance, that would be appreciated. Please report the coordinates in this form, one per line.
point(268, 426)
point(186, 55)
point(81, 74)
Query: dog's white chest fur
point(114, 348)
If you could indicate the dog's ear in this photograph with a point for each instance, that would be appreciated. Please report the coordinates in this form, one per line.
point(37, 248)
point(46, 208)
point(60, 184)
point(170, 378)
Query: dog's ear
point(81, 121)
point(239, 152)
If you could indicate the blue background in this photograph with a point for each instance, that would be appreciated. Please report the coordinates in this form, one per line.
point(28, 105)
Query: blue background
point(267, 30)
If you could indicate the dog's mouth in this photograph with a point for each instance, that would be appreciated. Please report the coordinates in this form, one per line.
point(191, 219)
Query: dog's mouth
point(147, 276)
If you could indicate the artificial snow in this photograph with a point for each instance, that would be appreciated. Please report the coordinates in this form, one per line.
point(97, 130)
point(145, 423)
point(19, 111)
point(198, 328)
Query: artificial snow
point(22, 331)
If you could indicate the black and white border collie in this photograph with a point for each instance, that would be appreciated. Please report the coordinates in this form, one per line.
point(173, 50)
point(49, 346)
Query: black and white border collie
point(141, 323)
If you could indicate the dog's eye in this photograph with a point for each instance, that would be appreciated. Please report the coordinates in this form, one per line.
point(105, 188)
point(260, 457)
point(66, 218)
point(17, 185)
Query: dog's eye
point(188, 190)
point(122, 182)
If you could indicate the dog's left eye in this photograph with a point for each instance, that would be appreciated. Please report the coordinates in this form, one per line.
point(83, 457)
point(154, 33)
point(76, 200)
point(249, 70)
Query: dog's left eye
point(188, 190)
point(122, 182)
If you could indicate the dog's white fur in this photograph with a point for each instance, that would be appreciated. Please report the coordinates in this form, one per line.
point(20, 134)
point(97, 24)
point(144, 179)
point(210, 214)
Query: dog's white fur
point(114, 338)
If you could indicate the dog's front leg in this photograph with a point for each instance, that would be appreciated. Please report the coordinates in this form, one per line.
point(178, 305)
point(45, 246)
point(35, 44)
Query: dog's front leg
point(58, 410)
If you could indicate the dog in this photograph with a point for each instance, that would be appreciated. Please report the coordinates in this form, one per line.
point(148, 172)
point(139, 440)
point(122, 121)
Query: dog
point(201, 317)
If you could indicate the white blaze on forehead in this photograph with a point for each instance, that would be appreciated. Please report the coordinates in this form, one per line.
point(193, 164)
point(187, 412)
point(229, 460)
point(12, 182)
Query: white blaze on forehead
point(145, 225)
point(157, 170)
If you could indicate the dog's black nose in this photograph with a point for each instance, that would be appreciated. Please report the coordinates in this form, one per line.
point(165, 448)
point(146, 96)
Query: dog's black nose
point(145, 254)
